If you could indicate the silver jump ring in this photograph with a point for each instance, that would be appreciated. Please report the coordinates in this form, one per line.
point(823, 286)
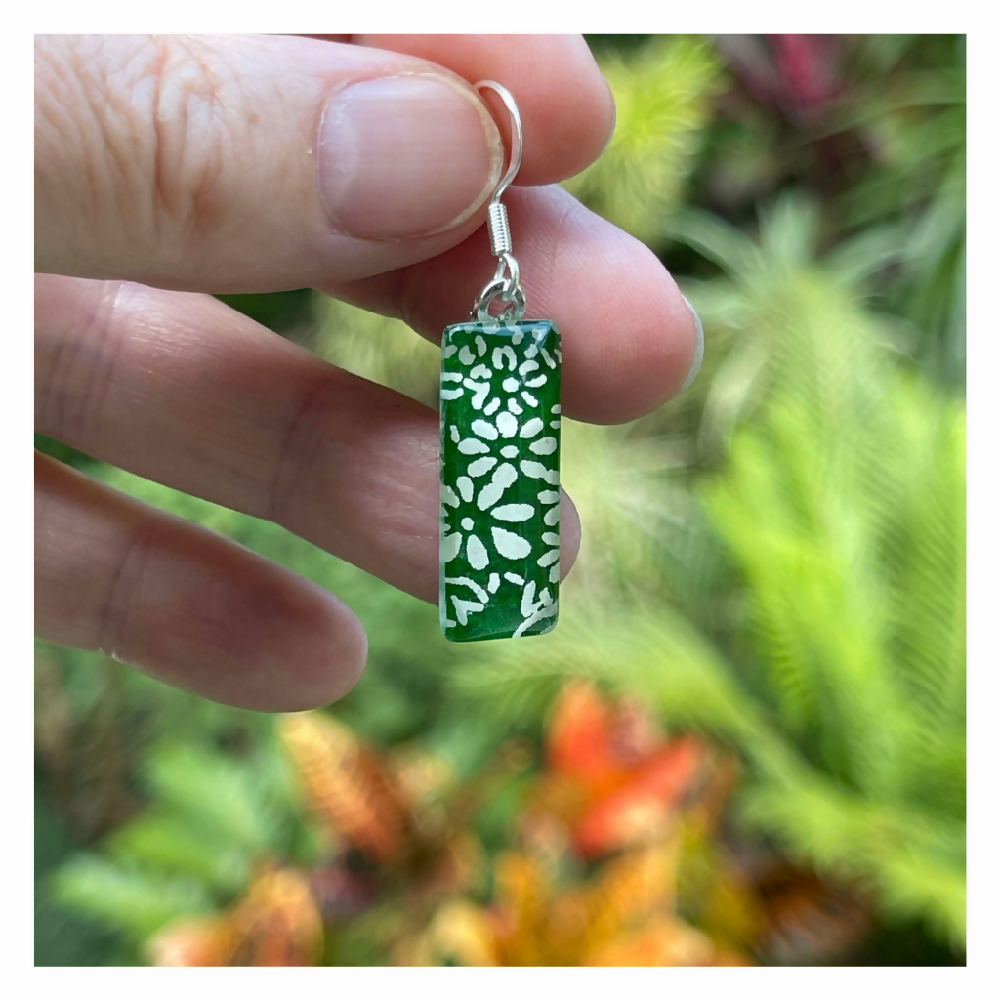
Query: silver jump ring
point(510, 296)
point(504, 287)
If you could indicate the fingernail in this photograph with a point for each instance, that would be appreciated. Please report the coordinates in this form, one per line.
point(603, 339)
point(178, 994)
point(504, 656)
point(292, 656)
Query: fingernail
point(699, 345)
point(614, 115)
point(406, 156)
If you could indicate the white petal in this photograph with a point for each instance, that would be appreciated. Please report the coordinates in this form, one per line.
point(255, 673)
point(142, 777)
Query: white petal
point(510, 385)
point(450, 546)
point(551, 516)
point(480, 391)
point(493, 490)
point(509, 451)
point(528, 598)
point(537, 616)
point(472, 446)
point(544, 446)
point(452, 393)
point(480, 346)
point(451, 376)
point(481, 466)
point(548, 496)
point(548, 358)
point(484, 430)
point(528, 366)
point(477, 553)
point(529, 399)
point(557, 408)
point(494, 583)
point(509, 545)
point(449, 351)
point(454, 433)
point(514, 578)
point(535, 383)
point(462, 609)
point(499, 353)
point(532, 427)
point(517, 338)
point(449, 496)
point(465, 487)
point(550, 557)
point(507, 424)
point(513, 512)
point(550, 538)
point(492, 406)
point(530, 351)
point(554, 573)
point(535, 470)
point(480, 371)
point(467, 581)
point(466, 356)
point(514, 406)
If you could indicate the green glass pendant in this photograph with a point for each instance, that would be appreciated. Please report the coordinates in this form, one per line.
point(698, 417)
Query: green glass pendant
point(501, 378)
point(500, 435)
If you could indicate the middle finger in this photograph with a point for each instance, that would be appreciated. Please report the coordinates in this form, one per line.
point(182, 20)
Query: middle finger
point(179, 388)
point(628, 336)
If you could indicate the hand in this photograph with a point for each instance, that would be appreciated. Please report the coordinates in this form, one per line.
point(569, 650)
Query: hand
point(237, 164)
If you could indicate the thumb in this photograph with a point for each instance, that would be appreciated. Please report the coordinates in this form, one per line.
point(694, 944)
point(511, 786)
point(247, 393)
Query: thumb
point(238, 163)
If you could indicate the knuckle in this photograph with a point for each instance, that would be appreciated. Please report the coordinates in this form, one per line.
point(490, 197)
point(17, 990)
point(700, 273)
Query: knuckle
point(133, 135)
point(189, 135)
point(75, 372)
point(122, 593)
point(301, 449)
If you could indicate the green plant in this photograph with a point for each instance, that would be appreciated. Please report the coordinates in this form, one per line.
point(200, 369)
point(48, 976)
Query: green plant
point(663, 96)
point(833, 653)
point(214, 817)
point(909, 106)
point(776, 558)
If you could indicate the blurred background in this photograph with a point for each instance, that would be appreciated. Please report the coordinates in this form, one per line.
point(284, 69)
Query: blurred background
point(745, 742)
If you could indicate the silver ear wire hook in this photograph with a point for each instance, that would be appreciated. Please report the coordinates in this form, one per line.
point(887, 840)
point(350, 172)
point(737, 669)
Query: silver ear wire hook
point(505, 286)
point(516, 134)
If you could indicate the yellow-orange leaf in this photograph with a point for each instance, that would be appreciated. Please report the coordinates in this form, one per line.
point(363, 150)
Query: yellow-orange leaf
point(346, 786)
point(276, 923)
point(664, 942)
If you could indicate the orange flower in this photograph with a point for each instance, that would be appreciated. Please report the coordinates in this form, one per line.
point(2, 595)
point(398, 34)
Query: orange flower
point(613, 779)
point(641, 811)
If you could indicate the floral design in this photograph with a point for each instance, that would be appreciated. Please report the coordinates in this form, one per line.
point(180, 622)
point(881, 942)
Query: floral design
point(500, 421)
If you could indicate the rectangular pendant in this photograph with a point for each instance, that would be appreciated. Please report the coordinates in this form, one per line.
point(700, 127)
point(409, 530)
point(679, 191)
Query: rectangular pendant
point(500, 439)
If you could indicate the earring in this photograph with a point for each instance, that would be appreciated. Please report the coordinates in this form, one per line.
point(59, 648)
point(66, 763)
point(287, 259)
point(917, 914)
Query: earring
point(501, 379)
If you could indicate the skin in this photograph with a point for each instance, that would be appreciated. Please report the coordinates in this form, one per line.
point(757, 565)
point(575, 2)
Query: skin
point(169, 168)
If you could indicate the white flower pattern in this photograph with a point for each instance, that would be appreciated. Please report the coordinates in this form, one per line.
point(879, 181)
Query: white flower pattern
point(500, 475)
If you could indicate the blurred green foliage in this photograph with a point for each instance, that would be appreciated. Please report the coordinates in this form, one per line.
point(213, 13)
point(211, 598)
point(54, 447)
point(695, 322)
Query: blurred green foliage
point(838, 661)
point(776, 558)
point(663, 101)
